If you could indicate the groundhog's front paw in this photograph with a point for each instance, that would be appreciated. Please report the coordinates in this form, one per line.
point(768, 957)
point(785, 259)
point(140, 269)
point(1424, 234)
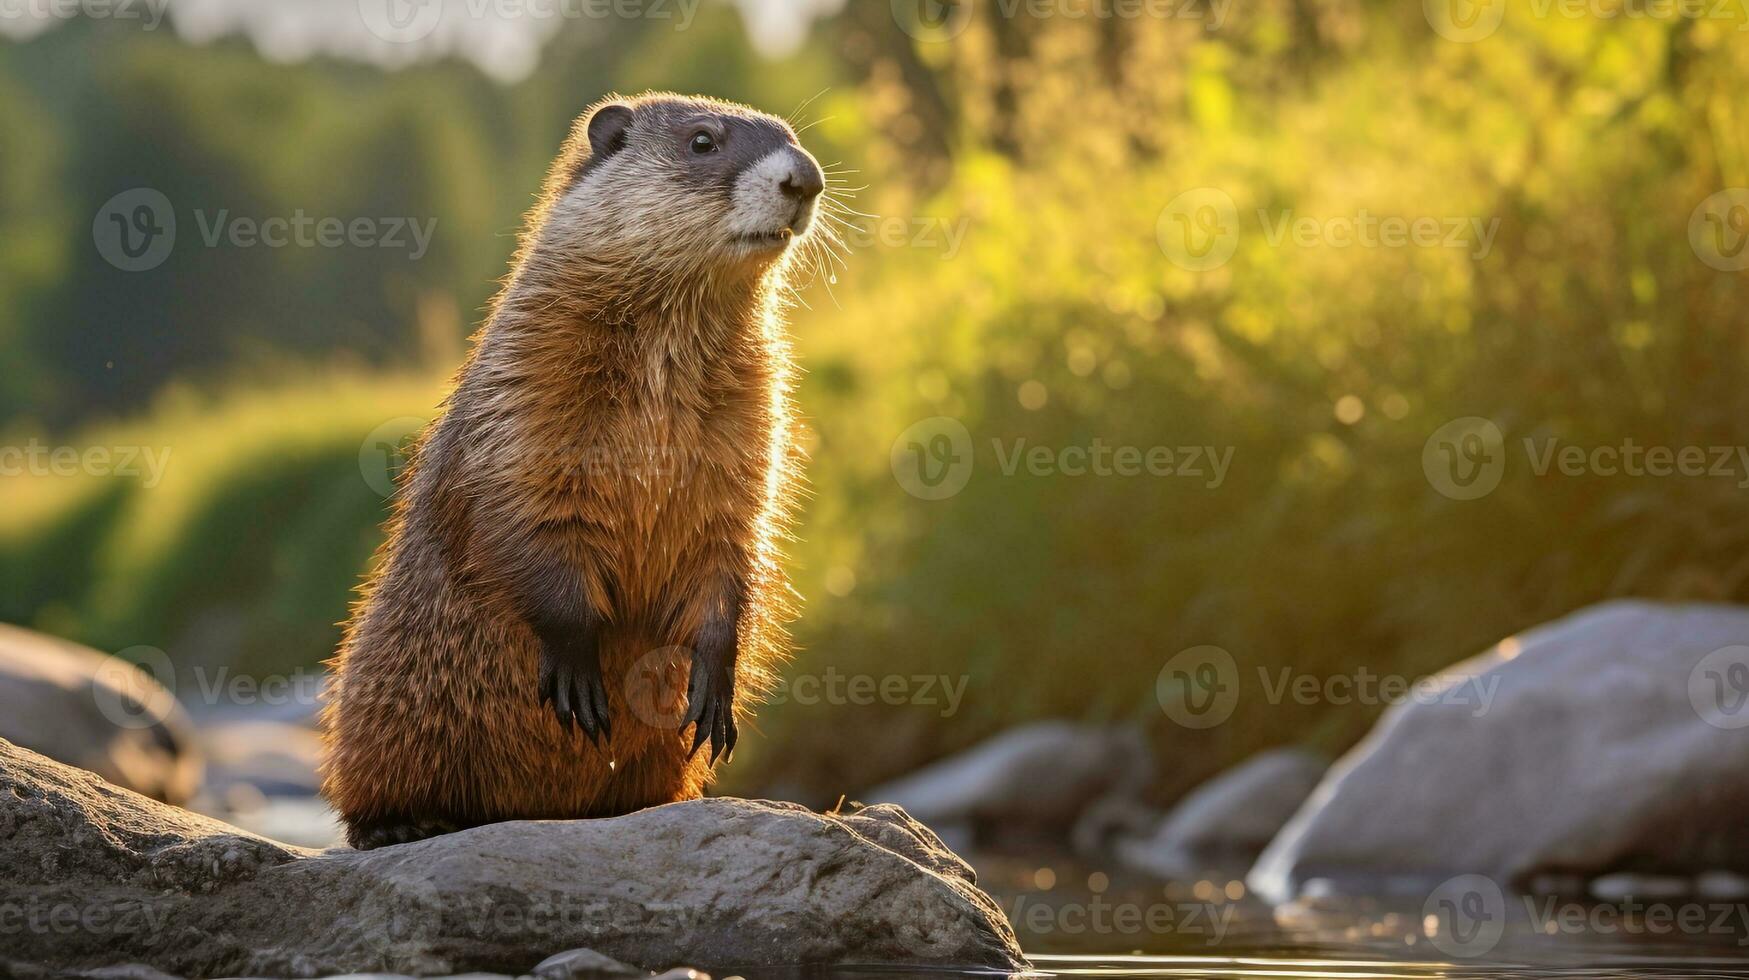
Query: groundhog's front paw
point(710, 704)
point(572, 685)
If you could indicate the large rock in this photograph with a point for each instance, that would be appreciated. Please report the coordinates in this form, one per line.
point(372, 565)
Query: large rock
point(1227, 821)
point(97, 712)
point(1035, 781)
point(1609, 740)
point(93, 876)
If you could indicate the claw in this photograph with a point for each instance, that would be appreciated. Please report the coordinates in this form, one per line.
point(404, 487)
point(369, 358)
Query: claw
point(599, 693)
point(698, 738)
point(570, 679)
point(717, 734)
point(562, 703)
point(585, 711)
point(694, 703)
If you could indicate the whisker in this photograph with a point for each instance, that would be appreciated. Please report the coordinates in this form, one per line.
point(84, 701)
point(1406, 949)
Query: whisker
point(791, 118)
point(839, 207)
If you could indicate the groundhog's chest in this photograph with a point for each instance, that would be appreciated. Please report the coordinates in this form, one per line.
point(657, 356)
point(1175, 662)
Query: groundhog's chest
point(677, 464)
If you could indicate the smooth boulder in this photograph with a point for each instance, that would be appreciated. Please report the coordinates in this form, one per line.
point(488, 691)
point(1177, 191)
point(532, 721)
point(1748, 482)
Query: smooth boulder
point(1610, 740)
point(1227, 821)
point(1031, 783)
point(102, 877)
point(100, 713)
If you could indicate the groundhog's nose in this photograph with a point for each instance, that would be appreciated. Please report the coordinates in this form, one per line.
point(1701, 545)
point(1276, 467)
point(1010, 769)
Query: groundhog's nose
point(804, 182)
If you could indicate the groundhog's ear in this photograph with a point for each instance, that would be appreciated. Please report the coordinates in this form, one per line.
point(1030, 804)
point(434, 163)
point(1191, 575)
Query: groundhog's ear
point(607, 129)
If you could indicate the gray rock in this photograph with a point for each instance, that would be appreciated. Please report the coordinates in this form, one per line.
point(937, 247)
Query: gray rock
point(1721, 884)
point(1624, 886)
point(1227, 821)
point(1605, 741)
point(112, 878)
point(1033, 781)
point(87, 709)
point(273, 758)
point(584, 963)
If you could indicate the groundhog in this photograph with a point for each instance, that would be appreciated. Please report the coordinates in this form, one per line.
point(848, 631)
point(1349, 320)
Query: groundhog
point(583, 559)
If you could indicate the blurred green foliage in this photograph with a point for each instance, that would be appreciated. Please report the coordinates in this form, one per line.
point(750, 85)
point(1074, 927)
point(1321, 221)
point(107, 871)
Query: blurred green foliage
point(1050, 146)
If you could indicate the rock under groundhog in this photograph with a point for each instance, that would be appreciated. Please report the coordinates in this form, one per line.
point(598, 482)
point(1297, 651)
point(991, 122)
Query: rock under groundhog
point(718, 884)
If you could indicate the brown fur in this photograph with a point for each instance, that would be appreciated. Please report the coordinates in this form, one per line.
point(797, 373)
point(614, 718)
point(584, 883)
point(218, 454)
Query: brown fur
point(627, 407)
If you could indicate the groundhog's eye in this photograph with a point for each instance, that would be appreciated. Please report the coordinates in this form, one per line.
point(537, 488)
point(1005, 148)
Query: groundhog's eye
point(703, 142)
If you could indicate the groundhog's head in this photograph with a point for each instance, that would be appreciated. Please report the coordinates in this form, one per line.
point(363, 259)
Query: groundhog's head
point(669, 184)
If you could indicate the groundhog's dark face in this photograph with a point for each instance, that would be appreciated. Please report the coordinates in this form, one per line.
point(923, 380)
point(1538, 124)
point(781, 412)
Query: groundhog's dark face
point(670, 182)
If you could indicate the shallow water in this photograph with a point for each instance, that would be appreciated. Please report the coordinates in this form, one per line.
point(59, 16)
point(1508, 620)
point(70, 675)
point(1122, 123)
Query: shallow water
point(1691, 968)
point(1079, 922)
point(1135, 927)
